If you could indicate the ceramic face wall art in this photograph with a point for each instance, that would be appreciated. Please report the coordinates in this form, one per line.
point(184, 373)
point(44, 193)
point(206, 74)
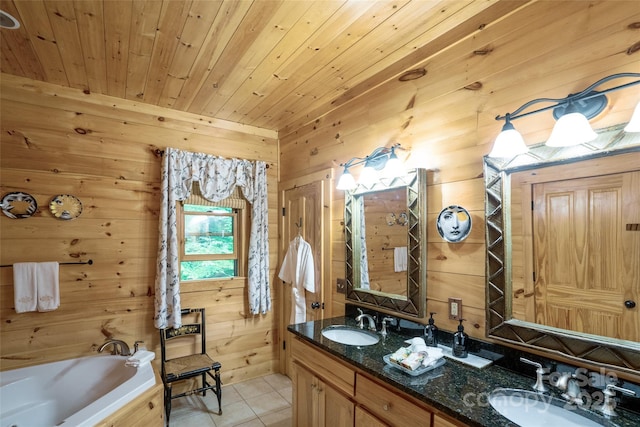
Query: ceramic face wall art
point(454, 223)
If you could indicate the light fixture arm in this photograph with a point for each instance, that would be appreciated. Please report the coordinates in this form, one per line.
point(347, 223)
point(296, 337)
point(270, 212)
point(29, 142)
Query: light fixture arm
point(587, 93)
point(378, 152)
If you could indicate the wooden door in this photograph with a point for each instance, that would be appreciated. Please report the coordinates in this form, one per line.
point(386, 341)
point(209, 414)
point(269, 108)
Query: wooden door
point(302, 217)
point(306, 211)
point(590, 224)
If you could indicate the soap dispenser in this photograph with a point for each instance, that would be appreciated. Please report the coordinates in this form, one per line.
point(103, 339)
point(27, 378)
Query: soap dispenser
point(460, 339)
point(431, 333)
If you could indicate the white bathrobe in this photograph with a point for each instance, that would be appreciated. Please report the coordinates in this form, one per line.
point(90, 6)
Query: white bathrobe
point(298, 269)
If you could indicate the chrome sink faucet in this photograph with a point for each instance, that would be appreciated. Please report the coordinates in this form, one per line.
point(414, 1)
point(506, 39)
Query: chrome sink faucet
point(383, 332)
point(608, 407)
point(539, 386)
point(360, 320)
point(572, 391)
point(119, 347)
point(569, 384)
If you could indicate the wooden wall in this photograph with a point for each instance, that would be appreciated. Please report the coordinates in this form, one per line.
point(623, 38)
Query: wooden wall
point(105, 151)
point(446, 121)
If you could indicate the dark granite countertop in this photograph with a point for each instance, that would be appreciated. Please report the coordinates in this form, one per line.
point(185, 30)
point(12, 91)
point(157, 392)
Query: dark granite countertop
point(455, 389)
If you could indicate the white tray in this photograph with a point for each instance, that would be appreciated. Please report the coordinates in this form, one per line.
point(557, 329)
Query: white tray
point(421, 370)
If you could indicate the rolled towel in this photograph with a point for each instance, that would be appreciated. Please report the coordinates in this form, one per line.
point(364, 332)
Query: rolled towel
point(417, 344)
point(140, 357)
point(432, 356)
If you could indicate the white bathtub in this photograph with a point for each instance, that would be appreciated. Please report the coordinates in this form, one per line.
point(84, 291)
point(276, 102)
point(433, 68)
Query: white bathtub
point(74, 392)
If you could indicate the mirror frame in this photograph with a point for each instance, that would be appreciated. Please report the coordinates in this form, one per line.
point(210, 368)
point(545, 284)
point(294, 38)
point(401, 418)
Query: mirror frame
point(415, 303)
point(603, 351)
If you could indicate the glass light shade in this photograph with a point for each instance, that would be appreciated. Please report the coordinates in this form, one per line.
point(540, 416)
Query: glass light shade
point(368, 176)
point(509, 143)
point(394, 167)
point(571, 129)
point(634, 123)
point(346, 181)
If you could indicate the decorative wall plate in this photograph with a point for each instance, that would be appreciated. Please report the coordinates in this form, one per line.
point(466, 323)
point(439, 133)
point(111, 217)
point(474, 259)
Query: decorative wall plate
point(454, 223)
point(65, 206)
point(17, 205)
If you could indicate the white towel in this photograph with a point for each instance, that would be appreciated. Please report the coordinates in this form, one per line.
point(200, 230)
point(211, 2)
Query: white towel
point(140, 358)
point(400, 259)
point(433, 355)
point(48, 286)
point(25, 287)
point(36, 286)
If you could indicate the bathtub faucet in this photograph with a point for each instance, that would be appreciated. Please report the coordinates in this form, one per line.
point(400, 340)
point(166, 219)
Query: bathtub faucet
point(119, 347)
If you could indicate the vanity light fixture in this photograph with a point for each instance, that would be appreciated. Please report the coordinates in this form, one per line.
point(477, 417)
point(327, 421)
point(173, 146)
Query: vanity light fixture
point(383, 162)
point(572, 114)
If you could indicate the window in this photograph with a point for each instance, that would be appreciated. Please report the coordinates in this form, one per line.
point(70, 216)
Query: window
point(211, 237)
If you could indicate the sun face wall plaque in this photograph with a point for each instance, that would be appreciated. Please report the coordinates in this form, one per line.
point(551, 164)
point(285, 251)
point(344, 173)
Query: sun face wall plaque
point(18, 205)
point(454, 223)
point(65, 206)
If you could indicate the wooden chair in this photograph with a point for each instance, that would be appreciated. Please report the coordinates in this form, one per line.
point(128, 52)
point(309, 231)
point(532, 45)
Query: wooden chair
point(197, 363)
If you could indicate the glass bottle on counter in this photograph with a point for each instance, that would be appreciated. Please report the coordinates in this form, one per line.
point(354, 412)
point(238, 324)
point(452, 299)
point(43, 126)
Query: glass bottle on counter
point(460, 340)
point(431, 333)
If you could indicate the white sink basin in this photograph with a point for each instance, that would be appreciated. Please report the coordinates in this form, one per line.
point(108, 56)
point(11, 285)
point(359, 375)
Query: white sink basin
point(531, 409)
point(350, 336)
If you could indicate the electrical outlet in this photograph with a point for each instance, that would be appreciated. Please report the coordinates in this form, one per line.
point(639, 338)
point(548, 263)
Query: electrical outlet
point(455, 308)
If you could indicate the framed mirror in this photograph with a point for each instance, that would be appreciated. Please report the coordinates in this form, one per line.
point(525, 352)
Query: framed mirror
point(386, 240)
point(569, 294)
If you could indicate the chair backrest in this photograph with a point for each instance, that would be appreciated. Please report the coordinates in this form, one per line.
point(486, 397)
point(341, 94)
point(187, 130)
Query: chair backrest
point(187, 330)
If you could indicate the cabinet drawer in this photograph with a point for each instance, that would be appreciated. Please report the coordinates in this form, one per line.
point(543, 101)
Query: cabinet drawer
point(440, 421)
point(325, 366)
point(390, 406)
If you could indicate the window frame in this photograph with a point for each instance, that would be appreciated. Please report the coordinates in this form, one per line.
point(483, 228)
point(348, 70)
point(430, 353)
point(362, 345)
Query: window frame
point(240, 232)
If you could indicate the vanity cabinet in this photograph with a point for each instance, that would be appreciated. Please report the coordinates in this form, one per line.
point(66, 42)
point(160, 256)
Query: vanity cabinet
point(390, 406)
point(365, 419)
point(322, 388)
point(317, 403)
point(329, 392)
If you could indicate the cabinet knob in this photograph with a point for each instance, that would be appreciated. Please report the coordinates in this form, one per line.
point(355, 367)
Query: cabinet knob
point(629, 303)
point(386, 406)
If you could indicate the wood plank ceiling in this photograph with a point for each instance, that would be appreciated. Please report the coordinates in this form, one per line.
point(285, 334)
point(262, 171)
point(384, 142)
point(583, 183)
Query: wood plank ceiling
point(270, 64)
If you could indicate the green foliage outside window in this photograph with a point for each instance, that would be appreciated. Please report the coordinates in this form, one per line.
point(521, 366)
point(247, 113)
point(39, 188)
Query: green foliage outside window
point(208, 235)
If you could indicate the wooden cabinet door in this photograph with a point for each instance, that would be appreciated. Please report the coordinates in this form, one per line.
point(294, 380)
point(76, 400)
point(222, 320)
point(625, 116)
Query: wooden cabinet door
point(337, 408)
point(365, 419)
point(305, 397)
point(317, 404)
point(588, 224)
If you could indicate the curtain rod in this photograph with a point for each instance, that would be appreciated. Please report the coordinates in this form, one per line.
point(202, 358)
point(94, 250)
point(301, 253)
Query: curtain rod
point(90, 262)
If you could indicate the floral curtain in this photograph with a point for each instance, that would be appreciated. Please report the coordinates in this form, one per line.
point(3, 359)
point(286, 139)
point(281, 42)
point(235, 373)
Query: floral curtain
point(217, 178)
point(364, 259)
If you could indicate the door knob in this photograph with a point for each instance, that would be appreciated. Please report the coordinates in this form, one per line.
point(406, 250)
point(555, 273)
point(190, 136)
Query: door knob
point(629, 303)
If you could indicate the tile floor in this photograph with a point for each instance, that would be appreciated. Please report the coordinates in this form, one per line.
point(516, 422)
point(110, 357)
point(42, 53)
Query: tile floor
point(259, 402)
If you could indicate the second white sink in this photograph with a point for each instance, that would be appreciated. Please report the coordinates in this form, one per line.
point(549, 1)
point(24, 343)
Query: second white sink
point(350, 336)
point(530, 409)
